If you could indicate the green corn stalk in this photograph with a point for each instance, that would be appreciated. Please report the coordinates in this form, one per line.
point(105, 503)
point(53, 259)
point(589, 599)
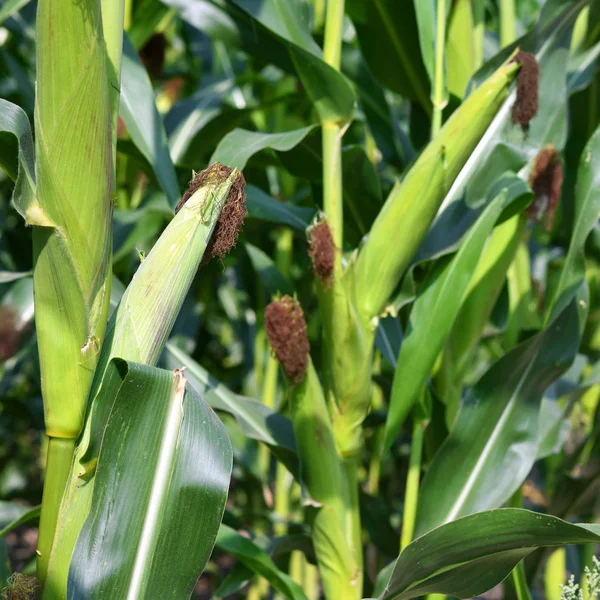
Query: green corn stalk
point(72, 227)
point(138, 331)
point(323, 474)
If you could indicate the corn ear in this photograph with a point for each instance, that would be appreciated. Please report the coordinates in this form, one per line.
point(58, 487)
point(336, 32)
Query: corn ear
point(72, 217)
point(412, 204)
point(138, 331)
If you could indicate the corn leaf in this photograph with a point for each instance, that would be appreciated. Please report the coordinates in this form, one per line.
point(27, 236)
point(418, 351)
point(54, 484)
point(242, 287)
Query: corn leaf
point(250, 555)
point(255, 419)
point(236, 148)
point(265, 208)
point(161, 485)
point(472, 555)
point(144, 124)
point(435, 310)
point(587, 208)
point(494, 441)
point(388, 35)
point(17, 158)
point(10, 8)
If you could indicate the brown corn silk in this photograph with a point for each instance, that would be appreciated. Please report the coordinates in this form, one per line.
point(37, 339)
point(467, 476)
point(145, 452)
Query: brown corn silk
point(286, 330)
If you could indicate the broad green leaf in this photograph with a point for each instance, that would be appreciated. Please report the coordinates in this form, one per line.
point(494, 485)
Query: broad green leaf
point(433, 314)
point(270, 276)
point(187, 118)
point(256, 420)
point(329, 90)
point(161, 486)
point(587, 209)
point(265, 208)
point(236, 148)
point(144, 124)
point(470, 556)
point(17, 160)
point(493, 443)
point(388, 36)
point(249, 554)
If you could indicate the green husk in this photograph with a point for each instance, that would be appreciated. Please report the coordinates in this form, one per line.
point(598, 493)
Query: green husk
point(412, 204)
point(138, 331)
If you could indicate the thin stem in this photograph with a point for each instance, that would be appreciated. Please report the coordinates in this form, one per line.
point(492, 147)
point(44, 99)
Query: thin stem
point(411, 494)
point(332, 183)
point(334, 29)
point(332, 138)
point(520, 582)
point(58, 466)
point(508, 33)
point(439, 99)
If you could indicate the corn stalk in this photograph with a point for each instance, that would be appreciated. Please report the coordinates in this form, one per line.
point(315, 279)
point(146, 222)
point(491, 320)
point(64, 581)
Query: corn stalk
point(72, 228)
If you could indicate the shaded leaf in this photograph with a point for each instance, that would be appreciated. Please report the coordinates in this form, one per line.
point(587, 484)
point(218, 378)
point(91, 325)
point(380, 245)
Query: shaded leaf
point(388, 36)
point(236, 148)
point(248, 553)
point(138, 111)
point(270, 276)
point(17, 159)
point(18, 515)
point(265, 208)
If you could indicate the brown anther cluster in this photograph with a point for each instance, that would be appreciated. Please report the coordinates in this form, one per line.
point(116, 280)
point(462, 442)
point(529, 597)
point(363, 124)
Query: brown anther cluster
point(546, 182)
point(322, 251)
point(232, 216)
point(526, 105)
point(286, 330)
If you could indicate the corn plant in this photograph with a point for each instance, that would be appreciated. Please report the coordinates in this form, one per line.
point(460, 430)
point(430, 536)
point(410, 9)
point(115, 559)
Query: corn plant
point(389, 388)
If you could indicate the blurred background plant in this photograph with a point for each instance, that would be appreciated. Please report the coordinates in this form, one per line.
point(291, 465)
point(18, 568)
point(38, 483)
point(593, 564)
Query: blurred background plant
point(504, 409)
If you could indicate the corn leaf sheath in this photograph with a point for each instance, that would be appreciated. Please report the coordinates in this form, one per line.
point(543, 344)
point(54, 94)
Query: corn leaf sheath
point(72, 226)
